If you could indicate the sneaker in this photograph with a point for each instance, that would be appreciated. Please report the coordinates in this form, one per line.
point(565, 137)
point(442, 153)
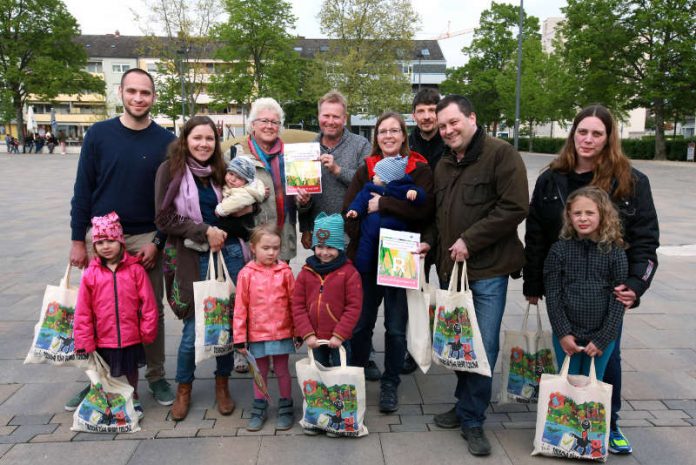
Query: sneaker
point(388, 399)
point(618, 444)
point(448, 419)
point(331, 434)
point(409, 366)
point(310, 431)
point(138, 409)
point(75, 400)
point(372, 372)
point(478, 442)
point(162, 392)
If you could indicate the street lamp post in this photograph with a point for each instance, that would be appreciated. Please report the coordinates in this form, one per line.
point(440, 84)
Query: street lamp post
point(518, 85)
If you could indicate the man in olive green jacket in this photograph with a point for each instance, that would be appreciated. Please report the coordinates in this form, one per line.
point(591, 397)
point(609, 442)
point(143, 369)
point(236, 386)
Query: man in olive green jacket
point(481, 197)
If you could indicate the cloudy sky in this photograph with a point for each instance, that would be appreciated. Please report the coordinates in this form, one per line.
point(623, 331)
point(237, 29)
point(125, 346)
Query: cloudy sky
point(437, 17)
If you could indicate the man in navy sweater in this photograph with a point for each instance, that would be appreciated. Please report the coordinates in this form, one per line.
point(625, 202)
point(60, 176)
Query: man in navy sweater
point(116, 172)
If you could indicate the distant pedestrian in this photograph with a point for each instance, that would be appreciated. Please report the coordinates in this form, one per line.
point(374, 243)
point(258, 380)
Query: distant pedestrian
point(8, 143)
point(61, 141)
point(28, 143)
point(38, 143)
point(15, 146)
point(50, 142)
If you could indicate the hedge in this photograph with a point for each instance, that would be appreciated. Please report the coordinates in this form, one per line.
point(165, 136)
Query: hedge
point(637, 149)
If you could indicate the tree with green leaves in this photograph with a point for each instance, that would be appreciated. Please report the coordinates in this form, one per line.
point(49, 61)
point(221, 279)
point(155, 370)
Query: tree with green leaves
point(258, 50)
point(633, 53)
point(183, 51)
point(492, 51)
point(372, 38)
point(38, 54)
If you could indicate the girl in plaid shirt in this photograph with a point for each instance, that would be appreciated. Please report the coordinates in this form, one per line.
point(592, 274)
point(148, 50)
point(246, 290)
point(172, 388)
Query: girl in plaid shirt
point(580, 273)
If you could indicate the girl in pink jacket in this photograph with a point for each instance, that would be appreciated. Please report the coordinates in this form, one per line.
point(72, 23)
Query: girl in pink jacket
point(263, 321)
point(116, 312)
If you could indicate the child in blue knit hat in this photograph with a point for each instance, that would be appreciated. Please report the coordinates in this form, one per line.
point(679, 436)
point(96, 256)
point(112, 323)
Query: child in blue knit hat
point(241, 190)
point(390, 180)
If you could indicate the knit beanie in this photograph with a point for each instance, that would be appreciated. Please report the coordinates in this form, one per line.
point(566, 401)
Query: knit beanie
point(107, 228)
point(391, 168)
point(328, 231)
point(243, 167)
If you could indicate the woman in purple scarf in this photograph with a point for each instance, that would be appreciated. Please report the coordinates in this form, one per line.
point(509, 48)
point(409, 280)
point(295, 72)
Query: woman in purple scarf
point(187, 189)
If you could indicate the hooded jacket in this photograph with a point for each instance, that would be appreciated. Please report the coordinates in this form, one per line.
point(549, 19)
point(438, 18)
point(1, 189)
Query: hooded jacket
point(329, 305)
point(262, 310)
point(115, 309)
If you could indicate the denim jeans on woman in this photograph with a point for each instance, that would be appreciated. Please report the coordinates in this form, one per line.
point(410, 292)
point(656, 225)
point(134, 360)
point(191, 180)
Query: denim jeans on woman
point(473, 391)
point(395, 319)
point(186, 361)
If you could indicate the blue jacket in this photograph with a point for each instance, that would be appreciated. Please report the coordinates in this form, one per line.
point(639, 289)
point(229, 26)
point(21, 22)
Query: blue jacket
point(370, 224)
point(116, 172)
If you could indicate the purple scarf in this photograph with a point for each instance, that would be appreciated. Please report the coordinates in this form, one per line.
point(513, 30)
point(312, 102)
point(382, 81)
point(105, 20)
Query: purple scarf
point(183, 192)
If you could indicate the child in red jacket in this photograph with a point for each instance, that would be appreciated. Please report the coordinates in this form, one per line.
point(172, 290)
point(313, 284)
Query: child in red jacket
point(328, 293)
point(116, 312)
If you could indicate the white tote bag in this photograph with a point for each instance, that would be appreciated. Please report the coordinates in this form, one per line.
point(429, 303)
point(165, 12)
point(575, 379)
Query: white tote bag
point(526, 356)
point(108, 406)
point(421, 304)
point(457, 342)
point(573, 415)
point(214, 301)
point(53, 334)
point(333, 398)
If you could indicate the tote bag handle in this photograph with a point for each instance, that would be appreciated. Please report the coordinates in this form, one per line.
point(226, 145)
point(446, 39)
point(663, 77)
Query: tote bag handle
point(324, 342)
point(526, 318)
point(566, 367)
point(221, 266)
point(65, 281)
point(464, 281)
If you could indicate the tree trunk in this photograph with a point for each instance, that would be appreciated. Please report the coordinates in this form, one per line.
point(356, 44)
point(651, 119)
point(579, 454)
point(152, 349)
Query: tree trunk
point(531, 136)
point(20, 124)
point(660, 146)
point(495, 129)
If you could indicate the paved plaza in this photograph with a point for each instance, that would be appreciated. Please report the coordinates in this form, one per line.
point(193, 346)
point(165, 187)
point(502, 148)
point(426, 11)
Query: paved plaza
point(659, 349)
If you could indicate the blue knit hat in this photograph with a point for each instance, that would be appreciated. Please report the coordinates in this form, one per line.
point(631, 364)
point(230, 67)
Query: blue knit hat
point(328, 231)
point(391, 168)
point(243, 167)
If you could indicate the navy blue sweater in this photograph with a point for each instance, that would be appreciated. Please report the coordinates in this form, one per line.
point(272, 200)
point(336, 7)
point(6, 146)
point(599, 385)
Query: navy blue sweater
point(116, 172)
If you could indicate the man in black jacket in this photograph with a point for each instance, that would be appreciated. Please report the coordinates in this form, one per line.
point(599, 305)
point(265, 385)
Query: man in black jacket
point(425, 138)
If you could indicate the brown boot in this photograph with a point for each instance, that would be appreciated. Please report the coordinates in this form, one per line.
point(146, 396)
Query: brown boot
point(225, 404)
point(182, 402)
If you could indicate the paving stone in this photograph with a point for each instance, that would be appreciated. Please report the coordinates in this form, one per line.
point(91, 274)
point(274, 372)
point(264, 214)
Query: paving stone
point(192, 424)
point(692, 421)
point(109, 453)
point(434, 409)
point(510, 408)
point(267, 430)
point(7, 391)
point(63, 418)
point(217, 432)
point(636, 414)
point(294, 431)
point(178, 433)
point(416, 419)
point(31, 420)
point(5, 419)
point(517, 445)
point(409, 428)
point(681, 404)
point(7, 430)
point(668, 422)
point(522, 416)
point(662, 445)
point(230, 422)
point(662, 414)
point(139, 435)
point(629, 423)
point(61, 434)
point(320, 450)
point(648, 405)
point(94, 437)
point(25, 433)
point(380, 424)
point(519, 424)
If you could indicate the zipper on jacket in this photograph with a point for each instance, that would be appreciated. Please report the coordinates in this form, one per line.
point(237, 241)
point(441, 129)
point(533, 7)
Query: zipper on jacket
point(118, 322)
point(321, 289)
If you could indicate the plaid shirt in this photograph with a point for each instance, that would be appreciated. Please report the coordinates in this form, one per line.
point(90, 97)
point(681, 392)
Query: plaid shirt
point(579, 280)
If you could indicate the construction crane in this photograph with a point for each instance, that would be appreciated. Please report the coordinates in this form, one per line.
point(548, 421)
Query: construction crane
point(450, 34)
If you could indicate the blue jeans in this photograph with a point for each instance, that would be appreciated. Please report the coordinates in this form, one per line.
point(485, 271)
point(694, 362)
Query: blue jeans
point(473, 391)
point(580, 363)
point(612, 375)
point(186, 358)
point(395, 319)
point(331, 357)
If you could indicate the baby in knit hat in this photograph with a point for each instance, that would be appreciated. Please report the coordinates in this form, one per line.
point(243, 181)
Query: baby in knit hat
point(241, 190)
point(390, 179)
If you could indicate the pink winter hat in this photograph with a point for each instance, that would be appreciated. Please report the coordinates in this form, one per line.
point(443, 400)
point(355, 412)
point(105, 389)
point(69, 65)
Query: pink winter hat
point(107, 228)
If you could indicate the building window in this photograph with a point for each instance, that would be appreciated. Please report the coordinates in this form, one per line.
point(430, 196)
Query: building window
point(210, 68)
point(152, 67)
point(94, 67)
point(120, 67)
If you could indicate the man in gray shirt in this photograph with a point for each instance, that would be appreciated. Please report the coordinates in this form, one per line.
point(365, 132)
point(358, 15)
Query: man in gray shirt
point(341, 154)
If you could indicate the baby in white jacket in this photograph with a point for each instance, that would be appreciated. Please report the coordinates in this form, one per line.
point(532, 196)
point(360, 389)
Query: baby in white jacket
point(241, 190)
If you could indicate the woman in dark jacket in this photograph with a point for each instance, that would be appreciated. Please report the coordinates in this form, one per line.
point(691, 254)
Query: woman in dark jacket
point(390, 140)
point(592, 155)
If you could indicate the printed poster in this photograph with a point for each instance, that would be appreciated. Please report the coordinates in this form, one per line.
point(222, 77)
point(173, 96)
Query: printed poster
point(397, 264)
point(302, 168)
